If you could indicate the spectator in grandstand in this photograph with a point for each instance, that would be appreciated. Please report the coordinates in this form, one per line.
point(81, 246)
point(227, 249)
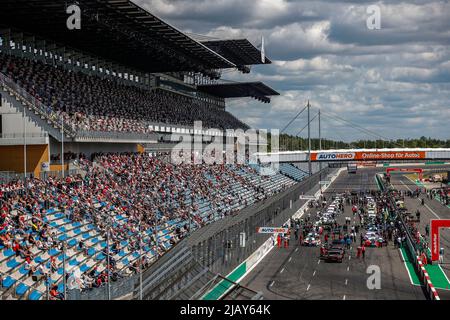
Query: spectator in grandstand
point(91, 103)
point(55, 294)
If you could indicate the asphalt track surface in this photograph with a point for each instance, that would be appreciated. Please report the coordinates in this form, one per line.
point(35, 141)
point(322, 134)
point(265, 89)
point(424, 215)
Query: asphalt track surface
point(432, 209)
point(296, 273)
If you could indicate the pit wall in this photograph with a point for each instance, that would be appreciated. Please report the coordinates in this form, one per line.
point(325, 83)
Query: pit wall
point(418, 265)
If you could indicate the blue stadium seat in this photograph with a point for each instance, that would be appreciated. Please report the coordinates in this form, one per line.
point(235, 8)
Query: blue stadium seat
point(86, 235)
point(38, 259)
point(84, 268)
point(62, 237)
point(100, 257)
point(53, 252)
point(23, 271)
point(12, 263)
point(73, 262)
point(8, 253)
point(8, 282)
point(62, 256)
point(21, 289)
point(35, 295)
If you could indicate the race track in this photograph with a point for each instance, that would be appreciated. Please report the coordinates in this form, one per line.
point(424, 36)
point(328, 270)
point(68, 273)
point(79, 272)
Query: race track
point(297, 273)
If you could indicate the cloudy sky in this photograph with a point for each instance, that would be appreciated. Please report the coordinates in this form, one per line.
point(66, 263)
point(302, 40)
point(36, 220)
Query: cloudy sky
point(395, 80)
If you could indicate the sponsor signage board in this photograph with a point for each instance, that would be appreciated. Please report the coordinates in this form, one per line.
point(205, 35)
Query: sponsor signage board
point(45, 166)
point(271, 230)
point(371, 155)
point(435, 239)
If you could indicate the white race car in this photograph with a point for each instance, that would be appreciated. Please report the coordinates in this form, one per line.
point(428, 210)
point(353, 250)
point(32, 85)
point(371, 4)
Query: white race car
point(312, 240)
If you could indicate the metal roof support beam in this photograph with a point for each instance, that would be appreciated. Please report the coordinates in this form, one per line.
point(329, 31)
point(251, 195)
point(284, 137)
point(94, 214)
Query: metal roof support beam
point(30, 43)
point(40, 50)
point(6, 43)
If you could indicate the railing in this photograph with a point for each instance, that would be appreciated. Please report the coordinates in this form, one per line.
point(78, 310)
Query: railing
point(36, 104)
point(17, 135)
point(8, 176)
point(115, 135)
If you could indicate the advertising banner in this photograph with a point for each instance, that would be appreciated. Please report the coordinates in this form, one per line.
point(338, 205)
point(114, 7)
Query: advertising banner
point(434, 239)
point(271, 230)
point(370, 155)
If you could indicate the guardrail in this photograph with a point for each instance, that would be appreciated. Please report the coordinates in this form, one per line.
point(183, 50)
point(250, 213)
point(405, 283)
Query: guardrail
point(20, 135)
point(104, 135)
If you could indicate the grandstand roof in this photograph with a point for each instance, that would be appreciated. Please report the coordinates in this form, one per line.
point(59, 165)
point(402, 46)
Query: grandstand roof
point(116, 30)
point(239, 51)
point(239, 90)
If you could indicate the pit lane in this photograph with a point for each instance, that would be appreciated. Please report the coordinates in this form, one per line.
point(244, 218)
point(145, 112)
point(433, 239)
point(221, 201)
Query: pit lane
point(432, 209)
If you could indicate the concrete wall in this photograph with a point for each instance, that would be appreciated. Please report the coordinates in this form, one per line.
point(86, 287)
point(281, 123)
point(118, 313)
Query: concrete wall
point(12, 158)
point(12, 125)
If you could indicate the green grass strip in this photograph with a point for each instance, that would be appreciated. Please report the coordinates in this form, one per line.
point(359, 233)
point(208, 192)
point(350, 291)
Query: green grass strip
point(224, 285)
point(409, 263)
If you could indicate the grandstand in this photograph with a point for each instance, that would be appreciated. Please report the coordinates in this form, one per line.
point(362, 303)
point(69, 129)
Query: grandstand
point(85, 116)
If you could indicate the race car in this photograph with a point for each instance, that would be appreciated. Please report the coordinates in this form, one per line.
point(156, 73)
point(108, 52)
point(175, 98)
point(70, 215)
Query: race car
point(371, 213)
point(334, 254)
point(312, 240)
point(372, 228)
point(373, 239)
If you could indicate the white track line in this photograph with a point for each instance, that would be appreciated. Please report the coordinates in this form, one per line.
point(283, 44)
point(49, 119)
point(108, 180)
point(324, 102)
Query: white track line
point(296, 249)
point(348, 268)
point(435, 214)
point(290, 258)
point(405, 185)
point(346, 281)
point(282, 270)
point(309, 285)
point(314, 273)
point(425, 204)
point(318, 262)
point(272, 283)
point(343, 297)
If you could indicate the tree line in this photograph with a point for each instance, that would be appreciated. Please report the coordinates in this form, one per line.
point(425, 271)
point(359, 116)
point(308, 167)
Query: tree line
point(293, 143)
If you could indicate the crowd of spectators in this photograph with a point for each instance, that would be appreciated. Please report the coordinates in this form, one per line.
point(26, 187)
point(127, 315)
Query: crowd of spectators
point(93, 103)
point(148, 190)
point(68, 156)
